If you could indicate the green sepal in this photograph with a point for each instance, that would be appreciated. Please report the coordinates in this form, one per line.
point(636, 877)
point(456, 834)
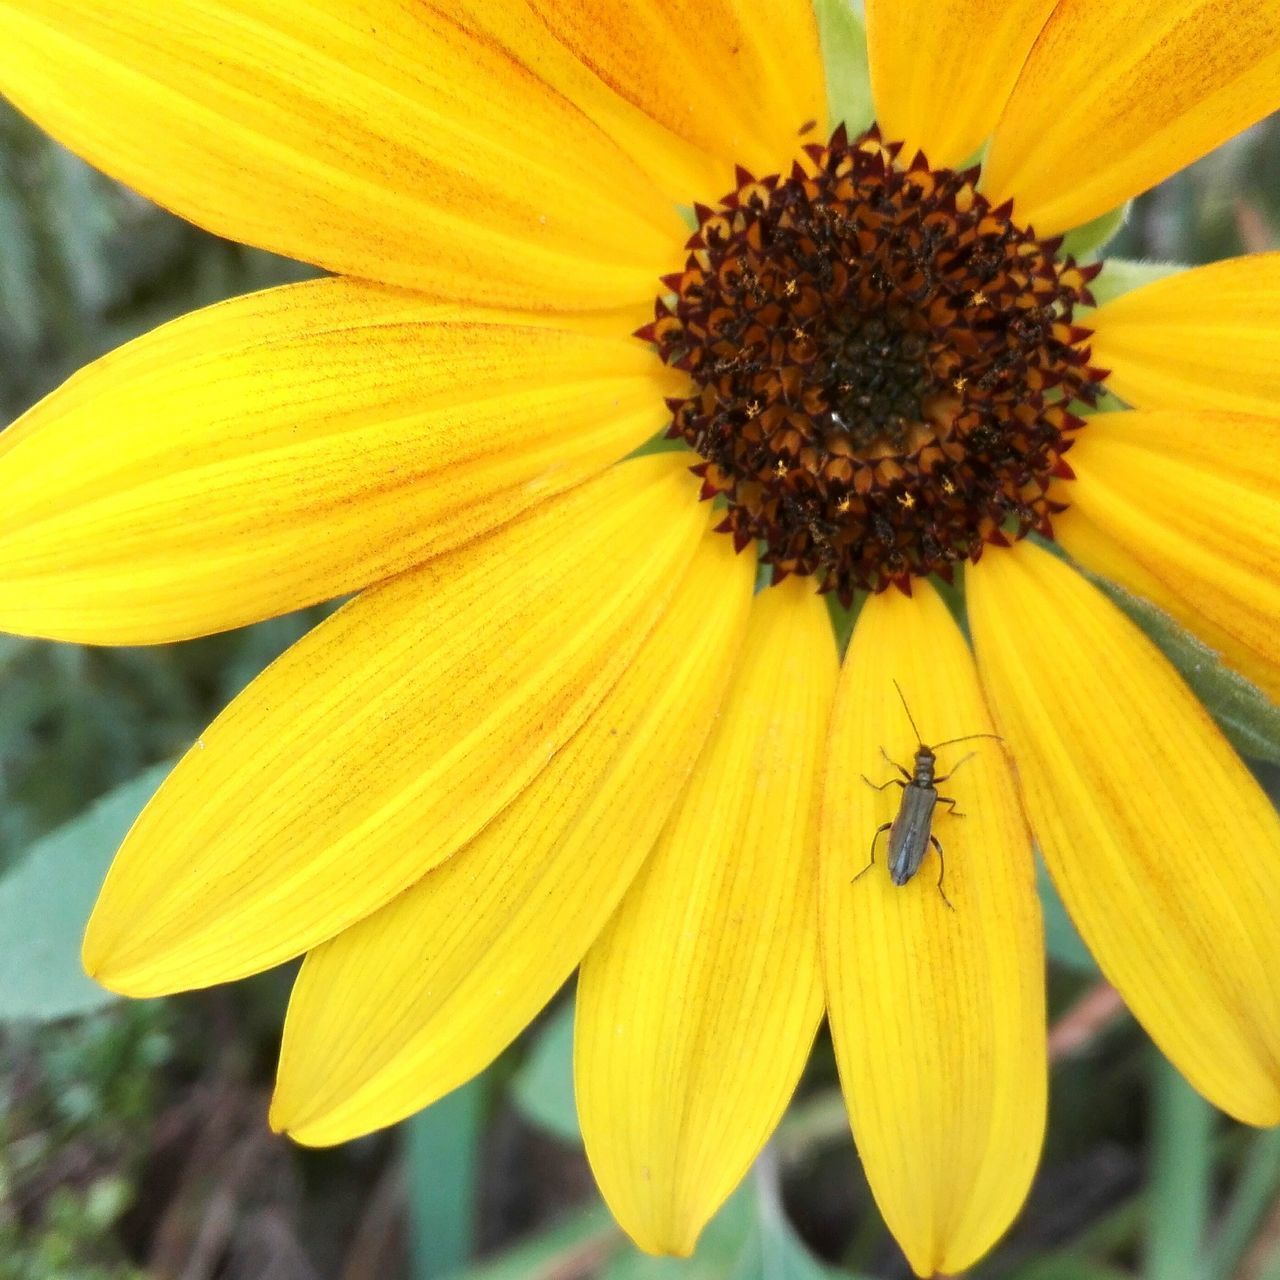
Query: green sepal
point(660, 443)
point(1243, 712)
point(1107, 402)
point(1250, 720)
point(842, 619)
point(1121, 275)
point(1085, 240)
point(844, 59)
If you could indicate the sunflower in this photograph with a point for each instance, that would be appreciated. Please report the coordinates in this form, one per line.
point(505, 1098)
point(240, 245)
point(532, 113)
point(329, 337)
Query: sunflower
point(558, 725)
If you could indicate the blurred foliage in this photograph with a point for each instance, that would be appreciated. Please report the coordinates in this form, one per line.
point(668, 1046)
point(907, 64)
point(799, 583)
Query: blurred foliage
point(134, 1138)
point(74, 1098)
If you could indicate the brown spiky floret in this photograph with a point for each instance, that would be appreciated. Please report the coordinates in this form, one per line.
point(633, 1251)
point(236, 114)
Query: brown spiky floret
point(883, 366)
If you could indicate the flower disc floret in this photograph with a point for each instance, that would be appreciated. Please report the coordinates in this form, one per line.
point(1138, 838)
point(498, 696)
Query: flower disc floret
point(885, 367)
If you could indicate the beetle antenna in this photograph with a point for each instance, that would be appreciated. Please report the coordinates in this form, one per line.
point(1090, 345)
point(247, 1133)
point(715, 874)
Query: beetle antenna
point(968, 737)
point(907, 709)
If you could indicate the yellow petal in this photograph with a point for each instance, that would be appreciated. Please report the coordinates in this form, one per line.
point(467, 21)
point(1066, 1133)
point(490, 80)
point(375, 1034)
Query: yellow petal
point(937, 1015)
point(1164, 848)
point(390, 736)
point(1115, 97)
point(732, 80)
point(942, 70)
point(390, 141)
point(294, 445)
point(1192, 498)
point(1207, 338)
point(418, 997)
point(698, 1004)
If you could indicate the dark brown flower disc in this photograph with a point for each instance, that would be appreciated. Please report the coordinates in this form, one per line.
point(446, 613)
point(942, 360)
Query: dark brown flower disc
point(884, 367)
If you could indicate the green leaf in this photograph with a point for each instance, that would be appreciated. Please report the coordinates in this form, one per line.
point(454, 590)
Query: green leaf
point(1082, 241)
point(45, 902)
point(1120, 275)
point(1251, 1200)
point(772, 1250)
point(11, 649)
point(560, 1251)
point(1181, 1176)
point(749, 1239)
point(1067, 1266)
point(1245, 714)
point(81, 214)
point(1061, 940)
point(543, 1087)
point(844, 55)
point(19, 268)
point(442, 1143)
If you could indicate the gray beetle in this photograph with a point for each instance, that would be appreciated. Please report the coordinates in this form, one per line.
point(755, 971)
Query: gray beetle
point(911, 831)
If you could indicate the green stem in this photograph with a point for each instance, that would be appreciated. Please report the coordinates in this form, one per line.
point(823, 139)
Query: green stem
point(441, 1147)
point(1251, 1198)
point(1181, 1176)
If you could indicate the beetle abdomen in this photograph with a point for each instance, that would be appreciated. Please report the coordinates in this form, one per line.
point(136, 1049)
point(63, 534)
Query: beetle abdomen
point(909, 835)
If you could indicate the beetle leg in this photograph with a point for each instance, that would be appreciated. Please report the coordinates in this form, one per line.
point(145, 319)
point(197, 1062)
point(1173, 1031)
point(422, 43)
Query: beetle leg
point(953, 811)
point(942, 868)
point(898, 782)
point(890, 760)
point(883, 827)
point(955, 767)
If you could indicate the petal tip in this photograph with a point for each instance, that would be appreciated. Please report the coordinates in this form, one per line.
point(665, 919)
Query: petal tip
point(290, 1120)
point(1256, 1111)
point(98, 963)
point(310, 1121)
point(112, 967)
point(667, 1244)
point(279, 1119)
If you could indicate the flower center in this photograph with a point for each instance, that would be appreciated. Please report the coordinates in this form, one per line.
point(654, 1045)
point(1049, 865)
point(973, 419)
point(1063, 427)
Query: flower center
point(883, 366)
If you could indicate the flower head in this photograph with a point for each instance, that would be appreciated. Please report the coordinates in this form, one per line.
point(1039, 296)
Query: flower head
point(556, 727)
point(883, 366)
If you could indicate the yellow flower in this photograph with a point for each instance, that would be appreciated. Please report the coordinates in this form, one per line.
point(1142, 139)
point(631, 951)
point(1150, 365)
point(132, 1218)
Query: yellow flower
point(555, 727)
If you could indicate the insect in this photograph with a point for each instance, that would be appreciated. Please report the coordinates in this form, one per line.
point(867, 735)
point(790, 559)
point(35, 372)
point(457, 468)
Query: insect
point(911, 831)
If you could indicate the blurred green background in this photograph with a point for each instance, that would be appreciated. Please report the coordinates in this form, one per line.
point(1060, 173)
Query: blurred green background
point(133, 1138)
